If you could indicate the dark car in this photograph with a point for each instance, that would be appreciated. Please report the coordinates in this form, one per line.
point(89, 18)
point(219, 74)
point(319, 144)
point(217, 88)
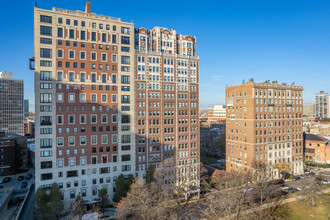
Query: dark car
point(7, 179)
point(292, 190)
point(297, 178)
point(281, 181)
point(24, 184)
point(29, 176)
point(283, 193)
point(1, 187)
point(20, 178)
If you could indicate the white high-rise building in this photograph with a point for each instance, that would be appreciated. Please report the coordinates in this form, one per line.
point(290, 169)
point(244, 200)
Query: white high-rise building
point(322, 105)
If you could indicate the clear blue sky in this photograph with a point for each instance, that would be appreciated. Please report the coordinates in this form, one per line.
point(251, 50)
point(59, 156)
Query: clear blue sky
point(284, 40)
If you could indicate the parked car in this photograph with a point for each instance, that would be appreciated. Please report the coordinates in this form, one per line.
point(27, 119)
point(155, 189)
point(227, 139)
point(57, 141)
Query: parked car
point(1, 187)
point(24, 184)
point(284, 186)
point(7, 179)
point(1, 180)
point(326, 182)
point(20, 178)
point(299, 188)
point(281, 181)
point(292, 190)
point(283, 193)
point(247, 189)
point(297, 178)
point(29, 176)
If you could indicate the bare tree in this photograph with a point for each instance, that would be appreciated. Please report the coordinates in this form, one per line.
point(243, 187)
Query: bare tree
point(164, 198)
point(311, 190)
point(261, 180)
point(228, 197)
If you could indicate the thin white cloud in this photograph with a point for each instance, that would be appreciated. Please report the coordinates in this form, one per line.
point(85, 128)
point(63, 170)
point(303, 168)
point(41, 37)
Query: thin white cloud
point(217, 77)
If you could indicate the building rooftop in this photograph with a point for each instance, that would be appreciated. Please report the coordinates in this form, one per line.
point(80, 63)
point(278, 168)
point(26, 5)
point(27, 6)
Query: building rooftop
point(6, 136)
point(314, 137)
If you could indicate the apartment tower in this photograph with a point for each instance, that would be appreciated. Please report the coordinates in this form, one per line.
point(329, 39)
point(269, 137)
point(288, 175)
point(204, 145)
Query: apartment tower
point(11, 104)
point(264, 124)
point(84, 101)
point(90, 95)
point(321, 104)
point(167, 103)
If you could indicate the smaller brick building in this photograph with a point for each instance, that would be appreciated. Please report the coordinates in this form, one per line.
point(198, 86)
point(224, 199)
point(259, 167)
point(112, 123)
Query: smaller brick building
point(13, 154)
point(316, 148)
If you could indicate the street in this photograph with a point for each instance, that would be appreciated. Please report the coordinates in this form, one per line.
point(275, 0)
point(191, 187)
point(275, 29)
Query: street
point(27, 211)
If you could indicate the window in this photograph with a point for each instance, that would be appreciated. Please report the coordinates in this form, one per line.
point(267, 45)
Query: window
point(125, 30)
point(45, 40)
point(114, 58)
point(125, 99)
point(45, 97)
point(114, 39)
point(125, 49)
point(46, 75)
point(45, 63)
point(124, 40)
point(46, 143)
point(45, 53)
point(71, 54)
point(125, 79)
point(93, 36)
point(45, 120)
point(59, 32)
point(44, 30)
point(125, 60)
point(45, 19)
point(104, 37)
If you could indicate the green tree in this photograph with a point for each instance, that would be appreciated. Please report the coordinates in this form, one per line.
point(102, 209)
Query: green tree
point(40, 207)
point(150, 174)
point(103, 195)
point(55, 201)
point(122, 187)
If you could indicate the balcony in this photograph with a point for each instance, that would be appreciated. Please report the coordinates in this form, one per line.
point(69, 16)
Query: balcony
point(32, 63)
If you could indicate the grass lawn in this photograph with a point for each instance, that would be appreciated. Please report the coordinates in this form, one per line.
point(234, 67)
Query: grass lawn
point(208, 160)
point(299, 210)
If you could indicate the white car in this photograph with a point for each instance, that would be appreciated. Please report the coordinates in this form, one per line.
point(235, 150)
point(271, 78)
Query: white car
point(326, 182)
point(247, 189)
point(285, 187)
point(1, 180)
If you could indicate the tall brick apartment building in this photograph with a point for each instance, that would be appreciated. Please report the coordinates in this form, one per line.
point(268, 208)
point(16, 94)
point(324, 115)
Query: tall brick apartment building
point(264, 124)
point(167, 101)
point(111, 100)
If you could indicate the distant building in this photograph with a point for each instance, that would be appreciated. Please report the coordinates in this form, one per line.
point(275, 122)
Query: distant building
point(13, 154)
point(264, 125)
point(320, 127)
point(218, 111)
point(26, 108)
point(321, 104)
point(29, 127)
point(309, 110)
point(316, 148)
point(11, 104)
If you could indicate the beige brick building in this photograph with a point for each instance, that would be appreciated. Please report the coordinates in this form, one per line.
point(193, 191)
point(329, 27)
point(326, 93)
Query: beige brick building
point(264, 124)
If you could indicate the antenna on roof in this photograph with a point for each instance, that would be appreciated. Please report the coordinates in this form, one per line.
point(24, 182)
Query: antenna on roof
point(35, 4)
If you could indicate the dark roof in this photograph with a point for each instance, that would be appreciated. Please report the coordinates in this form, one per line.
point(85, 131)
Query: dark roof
point(314, 137)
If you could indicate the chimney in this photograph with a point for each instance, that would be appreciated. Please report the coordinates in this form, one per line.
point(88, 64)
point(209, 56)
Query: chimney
point(88, 7)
